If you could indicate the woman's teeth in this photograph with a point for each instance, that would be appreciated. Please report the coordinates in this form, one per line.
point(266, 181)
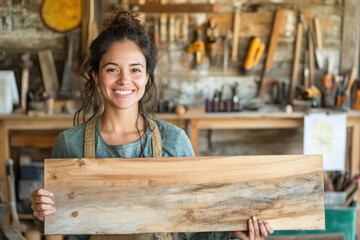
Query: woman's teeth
point(123, 92)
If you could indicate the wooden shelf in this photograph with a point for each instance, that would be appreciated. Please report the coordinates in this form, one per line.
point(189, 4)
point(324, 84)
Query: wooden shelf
point(46, 141)
point(25, 216)
point(177, 8)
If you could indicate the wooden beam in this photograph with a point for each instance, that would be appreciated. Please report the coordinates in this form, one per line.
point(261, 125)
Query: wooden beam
point(176, 8)
point(350, 36)
point(279, 17)
point(48, 72)
point(295, 69)
point(309, 16)
point(45, 141)
point(184, 194)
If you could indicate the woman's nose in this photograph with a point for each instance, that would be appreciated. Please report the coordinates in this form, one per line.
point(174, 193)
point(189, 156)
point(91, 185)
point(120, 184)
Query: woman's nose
point(124, 78)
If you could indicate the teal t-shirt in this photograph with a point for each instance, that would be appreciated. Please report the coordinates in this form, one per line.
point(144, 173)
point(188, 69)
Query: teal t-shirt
point(175, 143)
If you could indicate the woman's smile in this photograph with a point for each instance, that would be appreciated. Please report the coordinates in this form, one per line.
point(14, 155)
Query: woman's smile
point(123, 93)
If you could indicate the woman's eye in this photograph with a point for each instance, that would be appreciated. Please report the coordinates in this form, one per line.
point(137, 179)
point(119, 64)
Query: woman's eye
point(111, 70)
point(136, 70)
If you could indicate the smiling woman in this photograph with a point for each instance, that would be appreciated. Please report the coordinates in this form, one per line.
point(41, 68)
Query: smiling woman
point(119, 77)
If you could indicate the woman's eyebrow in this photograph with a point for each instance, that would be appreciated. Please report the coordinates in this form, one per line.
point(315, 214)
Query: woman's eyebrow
point(136, 64)
point(133, 64)
point(110, 63)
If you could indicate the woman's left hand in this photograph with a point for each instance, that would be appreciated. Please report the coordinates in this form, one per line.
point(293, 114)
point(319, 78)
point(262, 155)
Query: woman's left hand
point(258, 230)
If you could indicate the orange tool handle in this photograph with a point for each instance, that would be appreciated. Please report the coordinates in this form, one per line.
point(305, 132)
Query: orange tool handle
point(198, 48)
point(339, 100)
point(356, 104)
point(327, 81)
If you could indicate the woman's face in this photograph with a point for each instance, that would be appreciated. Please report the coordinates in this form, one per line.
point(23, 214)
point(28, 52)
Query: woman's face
point(122, 75)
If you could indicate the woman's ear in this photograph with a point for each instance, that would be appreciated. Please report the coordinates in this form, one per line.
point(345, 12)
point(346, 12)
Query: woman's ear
point(147, 78)
point(95, 77)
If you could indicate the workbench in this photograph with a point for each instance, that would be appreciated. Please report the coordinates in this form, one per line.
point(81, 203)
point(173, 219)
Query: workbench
point(193, 122)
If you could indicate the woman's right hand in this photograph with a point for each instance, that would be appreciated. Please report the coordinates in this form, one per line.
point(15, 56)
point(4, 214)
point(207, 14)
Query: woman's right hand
point(42, 203)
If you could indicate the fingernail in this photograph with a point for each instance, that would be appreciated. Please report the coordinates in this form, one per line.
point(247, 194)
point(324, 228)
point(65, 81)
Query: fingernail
point(254, 218)
point(265, 222)
point(250, 220)
point(52, 202)
point(51, 194)
point(260, 221)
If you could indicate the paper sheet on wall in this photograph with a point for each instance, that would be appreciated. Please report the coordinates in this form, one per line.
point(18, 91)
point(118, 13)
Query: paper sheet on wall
point(326, 134)
point(8, 92)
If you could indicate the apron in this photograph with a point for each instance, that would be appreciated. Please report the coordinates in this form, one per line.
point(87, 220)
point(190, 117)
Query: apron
point(89, 152)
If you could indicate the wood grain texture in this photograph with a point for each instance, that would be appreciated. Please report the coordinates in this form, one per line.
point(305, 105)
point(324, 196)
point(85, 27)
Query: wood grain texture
point(109, 196)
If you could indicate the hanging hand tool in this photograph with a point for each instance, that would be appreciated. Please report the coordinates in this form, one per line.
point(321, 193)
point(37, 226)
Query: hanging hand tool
point(270, 55)
point(343, 95)
point(236, 102)
point(308, 15)
point(172, 28)
point(356, 104)
point(185, 27)
point(236, 31)
point(295, 69)
point(254, 53)
point(328, 86)
point(212, 33)
point(198, 47)
point(316, 35)
point(226, 51)
point(309, 93)
point(311, 57)
point(163, 32)
point(156, 34)
point(177, 28)
point(27, 64)
point(280, 92)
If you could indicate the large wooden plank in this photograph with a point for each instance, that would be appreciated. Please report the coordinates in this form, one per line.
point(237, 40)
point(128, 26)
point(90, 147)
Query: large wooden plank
point(139, 195)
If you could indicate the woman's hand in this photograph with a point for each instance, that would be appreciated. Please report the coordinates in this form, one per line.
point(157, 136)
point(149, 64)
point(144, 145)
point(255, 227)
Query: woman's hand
point(42, 203)
point(258, 230)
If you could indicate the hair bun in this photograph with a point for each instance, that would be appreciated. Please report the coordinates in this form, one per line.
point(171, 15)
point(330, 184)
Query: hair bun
point(122, 18)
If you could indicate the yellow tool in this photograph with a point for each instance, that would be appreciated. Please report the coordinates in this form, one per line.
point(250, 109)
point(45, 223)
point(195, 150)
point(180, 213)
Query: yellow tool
point(198, 47)
point(256, 48)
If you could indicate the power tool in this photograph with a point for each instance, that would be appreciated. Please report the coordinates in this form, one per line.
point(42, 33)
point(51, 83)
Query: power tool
point(255, 50)
point(312, 94)
point(198, 47)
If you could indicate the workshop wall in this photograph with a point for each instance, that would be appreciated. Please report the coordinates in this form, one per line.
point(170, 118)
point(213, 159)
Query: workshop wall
point(179, 80)
point(186, 83)
point(25, 33)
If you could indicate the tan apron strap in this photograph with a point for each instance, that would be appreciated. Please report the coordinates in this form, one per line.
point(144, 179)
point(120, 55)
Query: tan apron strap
point(89, 142)
point(155, 138)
